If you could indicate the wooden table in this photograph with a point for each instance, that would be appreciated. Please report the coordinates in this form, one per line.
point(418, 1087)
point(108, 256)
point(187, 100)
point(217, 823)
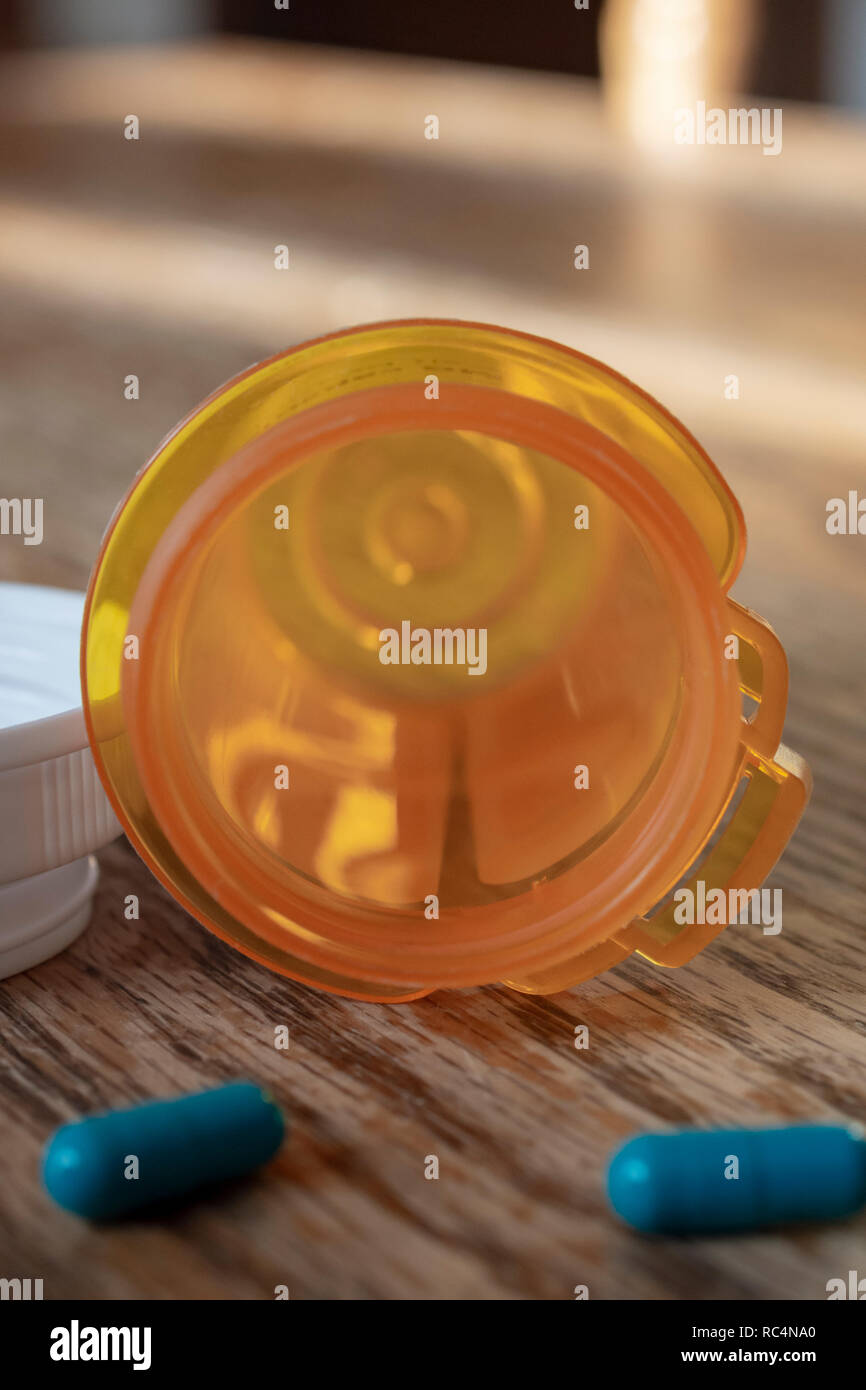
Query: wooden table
point(155, 257)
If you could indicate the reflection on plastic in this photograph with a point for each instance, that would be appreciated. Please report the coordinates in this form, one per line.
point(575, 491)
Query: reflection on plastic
point(383, 827)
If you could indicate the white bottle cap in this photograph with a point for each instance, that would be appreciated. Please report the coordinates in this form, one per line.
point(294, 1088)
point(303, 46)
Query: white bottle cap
point(53, 810)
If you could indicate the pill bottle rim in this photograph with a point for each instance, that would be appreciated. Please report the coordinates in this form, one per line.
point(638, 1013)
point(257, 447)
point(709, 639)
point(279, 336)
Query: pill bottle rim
point(689, 797)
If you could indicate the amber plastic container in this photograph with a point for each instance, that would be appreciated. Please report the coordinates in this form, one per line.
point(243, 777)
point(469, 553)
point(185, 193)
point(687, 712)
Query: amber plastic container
point(383, 828)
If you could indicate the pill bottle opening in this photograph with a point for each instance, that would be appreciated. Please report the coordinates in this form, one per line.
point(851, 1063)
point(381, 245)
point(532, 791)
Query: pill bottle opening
point(414, 677)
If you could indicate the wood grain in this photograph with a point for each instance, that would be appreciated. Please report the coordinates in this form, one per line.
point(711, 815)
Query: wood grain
point(758, 1029)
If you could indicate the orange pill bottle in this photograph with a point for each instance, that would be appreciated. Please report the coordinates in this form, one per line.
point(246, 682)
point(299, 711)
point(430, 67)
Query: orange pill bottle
point(408, 663)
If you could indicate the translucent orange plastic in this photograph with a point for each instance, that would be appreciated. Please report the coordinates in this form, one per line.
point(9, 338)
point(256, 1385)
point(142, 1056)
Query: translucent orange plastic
point(407, 664)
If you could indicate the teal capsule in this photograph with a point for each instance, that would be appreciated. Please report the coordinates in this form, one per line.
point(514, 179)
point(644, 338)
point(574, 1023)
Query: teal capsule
point(107, 1165)
point(694, 1181)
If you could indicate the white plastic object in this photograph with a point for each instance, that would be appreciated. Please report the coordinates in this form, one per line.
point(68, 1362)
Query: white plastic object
point(53, 810)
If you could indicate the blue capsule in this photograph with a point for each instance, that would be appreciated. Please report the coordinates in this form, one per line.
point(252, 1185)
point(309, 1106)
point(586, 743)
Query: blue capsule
point(707, 1181)
point(107, 1165)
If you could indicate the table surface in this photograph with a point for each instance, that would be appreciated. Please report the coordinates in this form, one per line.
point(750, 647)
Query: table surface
point(155, 257)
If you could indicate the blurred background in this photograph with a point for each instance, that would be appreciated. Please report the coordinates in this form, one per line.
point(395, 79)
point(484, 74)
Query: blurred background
point(307, 125)
point(812, 50)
